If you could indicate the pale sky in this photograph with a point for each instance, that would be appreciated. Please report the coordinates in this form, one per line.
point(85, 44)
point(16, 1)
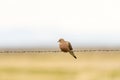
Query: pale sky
point(43, 22)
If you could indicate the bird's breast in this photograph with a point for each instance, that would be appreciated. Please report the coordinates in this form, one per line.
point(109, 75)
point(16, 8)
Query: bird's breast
point(64, 47)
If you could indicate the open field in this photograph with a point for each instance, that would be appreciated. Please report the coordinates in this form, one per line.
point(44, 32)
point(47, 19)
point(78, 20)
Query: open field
point(61, 66)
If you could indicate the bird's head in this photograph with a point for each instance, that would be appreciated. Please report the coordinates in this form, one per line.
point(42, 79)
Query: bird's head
point(60, 40)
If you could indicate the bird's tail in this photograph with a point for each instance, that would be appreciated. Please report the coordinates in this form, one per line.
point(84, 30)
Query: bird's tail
point(72, 53)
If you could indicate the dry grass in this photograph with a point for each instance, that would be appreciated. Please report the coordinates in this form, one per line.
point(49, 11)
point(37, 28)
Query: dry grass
point(60, 66)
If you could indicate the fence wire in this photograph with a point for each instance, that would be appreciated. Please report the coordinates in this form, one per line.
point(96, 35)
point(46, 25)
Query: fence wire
point(56, 51)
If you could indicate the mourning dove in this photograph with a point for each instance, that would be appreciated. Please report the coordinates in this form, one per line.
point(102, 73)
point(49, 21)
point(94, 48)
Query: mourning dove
point(66, 46)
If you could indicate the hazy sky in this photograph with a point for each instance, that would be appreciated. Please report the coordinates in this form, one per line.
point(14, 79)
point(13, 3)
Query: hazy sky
point(43, 22)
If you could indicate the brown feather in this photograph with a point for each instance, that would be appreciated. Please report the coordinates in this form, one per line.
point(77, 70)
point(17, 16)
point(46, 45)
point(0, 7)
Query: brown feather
point(66, 46)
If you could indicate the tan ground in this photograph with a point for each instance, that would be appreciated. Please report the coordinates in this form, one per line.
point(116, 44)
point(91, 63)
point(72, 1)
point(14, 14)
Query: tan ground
point(61, 66)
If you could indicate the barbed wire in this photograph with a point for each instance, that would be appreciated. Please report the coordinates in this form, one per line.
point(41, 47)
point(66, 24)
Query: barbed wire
point(56, 51)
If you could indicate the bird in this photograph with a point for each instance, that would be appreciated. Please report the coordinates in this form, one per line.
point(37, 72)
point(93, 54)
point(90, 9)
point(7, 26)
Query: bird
point(65, 46)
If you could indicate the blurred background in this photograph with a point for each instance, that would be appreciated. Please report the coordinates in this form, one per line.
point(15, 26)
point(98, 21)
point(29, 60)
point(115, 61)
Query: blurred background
point(26, 23)
point(37, 24)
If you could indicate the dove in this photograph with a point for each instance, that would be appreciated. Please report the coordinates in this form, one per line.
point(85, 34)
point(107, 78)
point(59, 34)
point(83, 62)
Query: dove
point(66, 46)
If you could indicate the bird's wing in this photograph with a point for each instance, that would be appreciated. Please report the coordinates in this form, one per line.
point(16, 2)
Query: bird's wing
point(70, 46)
